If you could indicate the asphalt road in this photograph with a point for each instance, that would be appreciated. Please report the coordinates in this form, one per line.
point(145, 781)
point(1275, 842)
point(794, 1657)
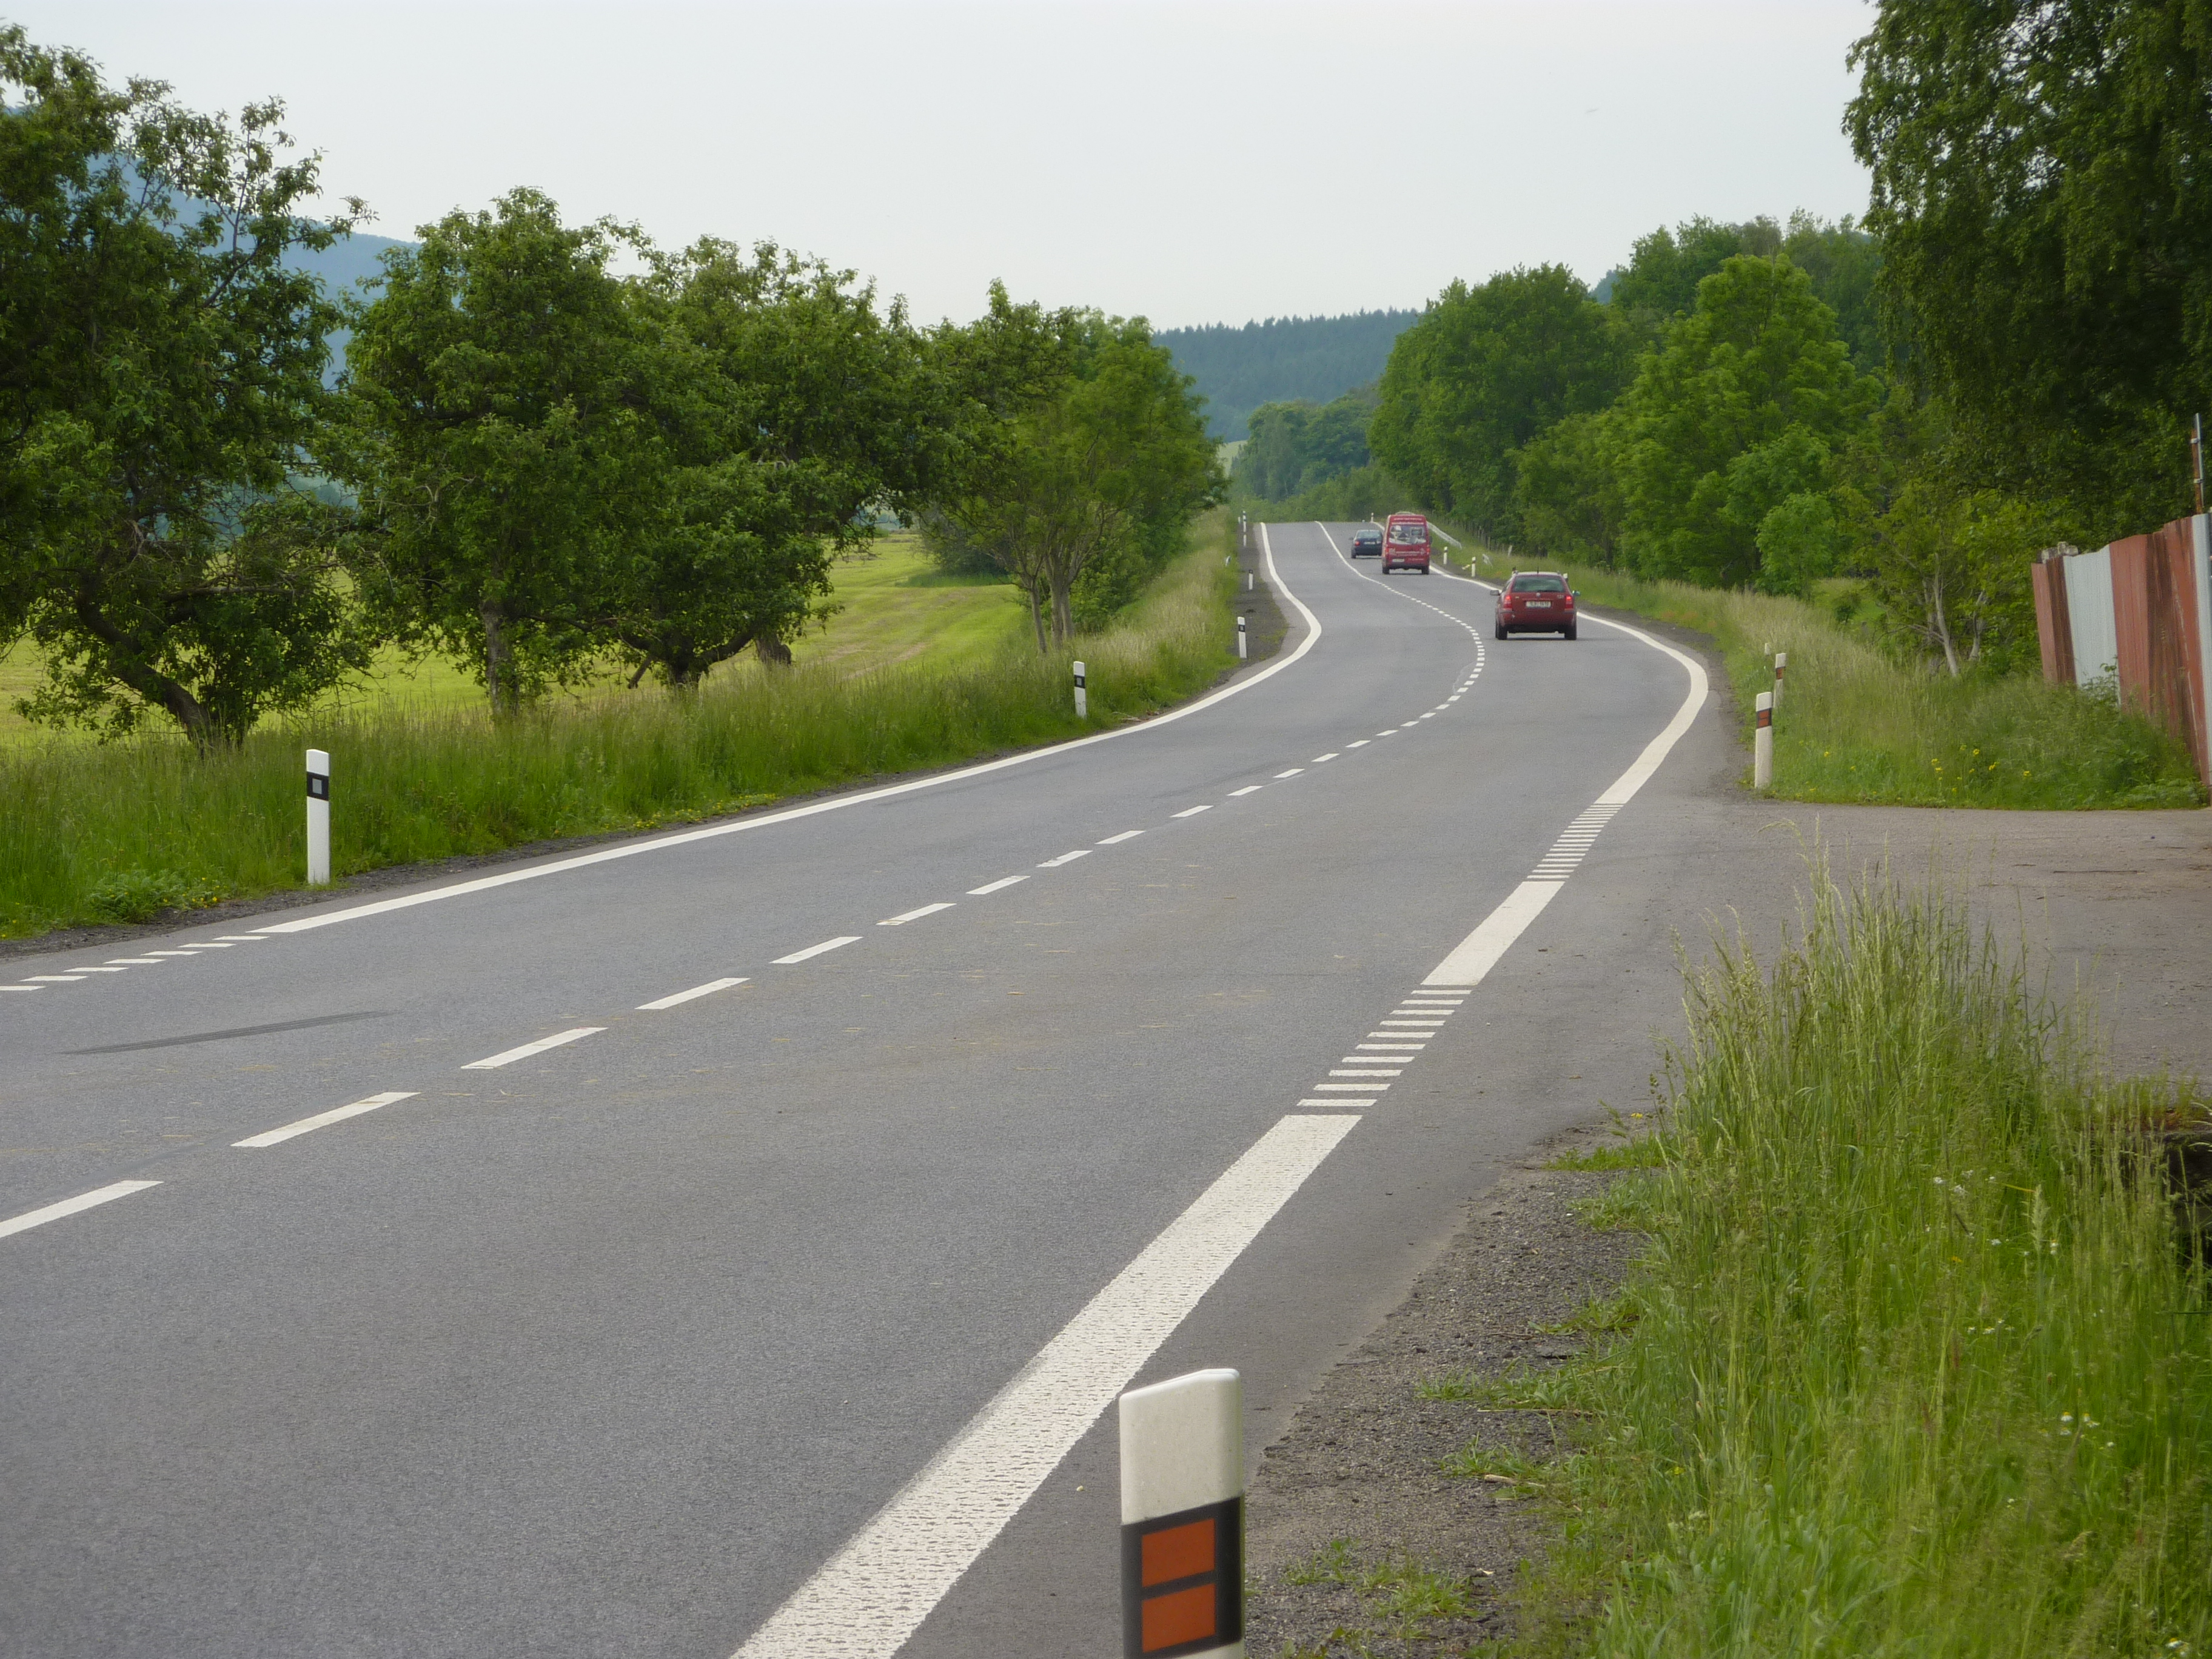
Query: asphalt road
point(609, 1348)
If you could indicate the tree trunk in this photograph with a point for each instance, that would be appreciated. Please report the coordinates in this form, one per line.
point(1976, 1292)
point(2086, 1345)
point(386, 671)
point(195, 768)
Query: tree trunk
point(772, 651)
point(149, 683)
point(499, 678)
point(1037, 616)
point(1063, 610)
point(1940, 625)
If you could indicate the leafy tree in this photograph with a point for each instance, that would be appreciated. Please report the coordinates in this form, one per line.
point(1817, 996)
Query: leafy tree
point(1485, 370)
point(1297, 446)
point(1738, 411)
point(1568, 492)
point(503, 441)
point(160, 370)
point(2041, 191)
point(1092, 458)
point(789, 405)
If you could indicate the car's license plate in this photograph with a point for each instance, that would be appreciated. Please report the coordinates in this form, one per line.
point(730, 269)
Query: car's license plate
point(1539, 605)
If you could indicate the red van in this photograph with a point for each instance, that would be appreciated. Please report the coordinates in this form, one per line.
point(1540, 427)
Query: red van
point(1406, 543)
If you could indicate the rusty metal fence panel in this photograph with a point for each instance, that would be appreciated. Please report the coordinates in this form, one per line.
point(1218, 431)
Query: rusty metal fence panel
point(2140, 611)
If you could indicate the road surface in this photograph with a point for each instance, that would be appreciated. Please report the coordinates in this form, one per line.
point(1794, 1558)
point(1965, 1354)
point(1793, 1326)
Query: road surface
point(576, 1314)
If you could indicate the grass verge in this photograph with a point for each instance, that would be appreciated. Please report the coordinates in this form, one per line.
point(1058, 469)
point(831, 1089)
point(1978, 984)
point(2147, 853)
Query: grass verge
point(1921, 1360)
point(120, 833)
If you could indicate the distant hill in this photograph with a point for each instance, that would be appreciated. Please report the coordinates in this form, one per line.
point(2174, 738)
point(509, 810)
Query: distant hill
point(1320, 358)
point(345, 261)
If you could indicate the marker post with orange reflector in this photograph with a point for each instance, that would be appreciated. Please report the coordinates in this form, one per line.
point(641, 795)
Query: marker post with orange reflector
point(1762, 742)
point(1182, 1518)
point(1781, 662)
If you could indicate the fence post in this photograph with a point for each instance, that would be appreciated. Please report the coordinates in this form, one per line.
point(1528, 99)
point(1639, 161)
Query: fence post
point(1182, 1517)
point(1082, 698)
point(318, 819)
point(1762, 743)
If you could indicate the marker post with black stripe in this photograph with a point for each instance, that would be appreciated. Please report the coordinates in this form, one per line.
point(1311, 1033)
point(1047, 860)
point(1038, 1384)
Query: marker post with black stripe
point(318, 819)
point(1182, 1518)
point(1082, 695)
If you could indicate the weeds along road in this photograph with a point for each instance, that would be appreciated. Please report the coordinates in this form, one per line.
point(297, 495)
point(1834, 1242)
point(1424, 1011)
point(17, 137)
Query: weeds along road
point(618, 1344)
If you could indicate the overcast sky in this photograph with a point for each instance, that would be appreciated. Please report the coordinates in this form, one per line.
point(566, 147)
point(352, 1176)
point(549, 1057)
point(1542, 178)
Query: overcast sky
point(1193, 163)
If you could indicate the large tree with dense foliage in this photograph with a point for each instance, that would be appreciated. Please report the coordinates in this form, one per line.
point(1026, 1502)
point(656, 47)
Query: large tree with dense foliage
point(1739, 411)
point(1084, 456)
point(1485, 370)
point(504, 440)
point(788, 404)
point(2042, 189)
point(1295, 446)
point(161, 375)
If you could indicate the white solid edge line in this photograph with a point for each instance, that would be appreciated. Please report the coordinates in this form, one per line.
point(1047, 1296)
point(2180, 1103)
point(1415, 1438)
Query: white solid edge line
point(1003, 882)
point(1115, 840)
point(915, 914)
point(482, 883)
point(511, 1056)
point(836, 944)
point(336, 1114)
point(866, 1599)
point(30, 1218)
point(697, 991)
point(1479, 953)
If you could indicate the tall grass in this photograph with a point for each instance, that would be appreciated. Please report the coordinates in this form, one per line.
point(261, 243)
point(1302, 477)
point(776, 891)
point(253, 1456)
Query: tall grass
point(1921, 1363)
point(1858, 724)
point(91, 834)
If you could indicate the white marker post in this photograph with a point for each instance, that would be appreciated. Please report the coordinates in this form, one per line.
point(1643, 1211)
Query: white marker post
point(1182, 1517)
point(1082, 696)
point(1781, 661)
point(1248, 582)
point(1240, 638)
point(1762, 743)
point(318, 819)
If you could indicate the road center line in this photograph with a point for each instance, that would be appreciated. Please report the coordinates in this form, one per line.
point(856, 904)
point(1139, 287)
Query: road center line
point(1292, 773)
point(696, 991)
point(30, 1218)
point(1000, 885)
point(1192, 812)
point(1249, 789)
point(827, 944)
point(1115, 840)
point(511, 1056)
point(1065, 858)
point(866, 1599)
point(1318, 759)
point(336, 1114)
point(916, 915)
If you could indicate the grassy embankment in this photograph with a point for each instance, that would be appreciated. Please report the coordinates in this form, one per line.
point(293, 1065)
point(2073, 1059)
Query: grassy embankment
point(1919, 1359)
point(1857, 724)
point(912, 675)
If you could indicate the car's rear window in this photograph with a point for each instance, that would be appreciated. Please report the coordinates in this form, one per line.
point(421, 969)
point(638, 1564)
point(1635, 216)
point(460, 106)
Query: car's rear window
point(1416, 533)
point(1538, 584)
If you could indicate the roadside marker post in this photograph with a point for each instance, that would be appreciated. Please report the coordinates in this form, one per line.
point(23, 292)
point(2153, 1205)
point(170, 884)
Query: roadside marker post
point(1248, 582)
point(1082, 695)
point(1762, 743)
point(318, 819)
point(1182, 1518)
point(1240, 638)
point(1781, 661)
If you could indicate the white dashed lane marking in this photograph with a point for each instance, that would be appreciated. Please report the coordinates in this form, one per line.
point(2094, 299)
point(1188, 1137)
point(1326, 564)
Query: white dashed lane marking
point(508, 1057)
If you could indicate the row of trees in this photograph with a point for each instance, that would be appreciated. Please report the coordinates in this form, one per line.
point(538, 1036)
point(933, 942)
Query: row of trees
point(534, 459)
point(2006, 355)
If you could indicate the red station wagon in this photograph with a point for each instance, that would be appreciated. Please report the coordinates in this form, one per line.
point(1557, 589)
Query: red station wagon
point(1406, 543)
point(1535, 602)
